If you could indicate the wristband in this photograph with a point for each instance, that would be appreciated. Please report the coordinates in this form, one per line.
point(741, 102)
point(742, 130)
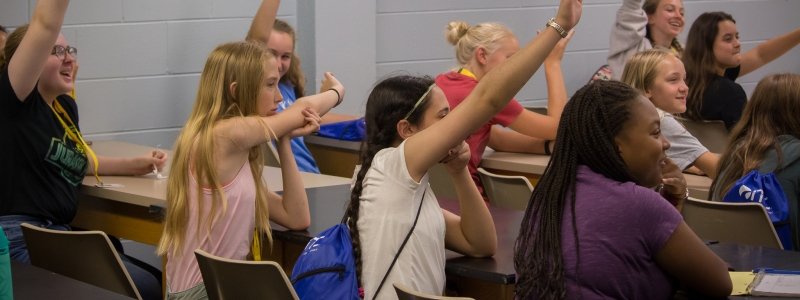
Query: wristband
point(547, 147)
point(338, 96)
point(561, 31)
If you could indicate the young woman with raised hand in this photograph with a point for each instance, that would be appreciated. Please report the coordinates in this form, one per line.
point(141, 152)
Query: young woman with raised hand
point(410, 128)
point(281, 41)
point(594, 227)
point(216, 195)
point(479, 49)
point(767, 138)
point(713, 61)
point(643, 25)
point(660, 75)
point(44, 154)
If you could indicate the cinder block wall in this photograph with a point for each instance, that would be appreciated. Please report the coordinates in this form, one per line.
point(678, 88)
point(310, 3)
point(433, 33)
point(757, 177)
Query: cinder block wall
point(140, 59)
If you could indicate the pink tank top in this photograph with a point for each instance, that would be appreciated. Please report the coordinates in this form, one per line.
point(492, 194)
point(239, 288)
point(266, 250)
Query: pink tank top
point(231, 233)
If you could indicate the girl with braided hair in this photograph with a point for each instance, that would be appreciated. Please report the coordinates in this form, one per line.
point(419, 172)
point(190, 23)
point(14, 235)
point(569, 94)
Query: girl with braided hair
point(410, 128)
point(594, 227)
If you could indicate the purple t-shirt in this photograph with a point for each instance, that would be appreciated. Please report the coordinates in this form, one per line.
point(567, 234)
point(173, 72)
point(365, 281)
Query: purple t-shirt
point(621, 227)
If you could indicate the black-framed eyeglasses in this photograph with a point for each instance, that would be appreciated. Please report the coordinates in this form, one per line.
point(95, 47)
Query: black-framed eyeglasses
point(61, 51)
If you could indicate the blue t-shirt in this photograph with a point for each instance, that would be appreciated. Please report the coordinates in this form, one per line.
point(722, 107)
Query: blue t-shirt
point(305, 161)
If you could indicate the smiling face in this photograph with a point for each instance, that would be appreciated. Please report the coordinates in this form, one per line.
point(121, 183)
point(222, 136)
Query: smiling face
point(282, 46)
point(641, 145)
point(268, 95)
point(667, 20)
point(668, 90)
point(57, 74)
point(727, 47)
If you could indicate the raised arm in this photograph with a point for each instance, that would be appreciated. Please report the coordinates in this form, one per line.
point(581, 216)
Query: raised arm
point(627, 35)
point(545, 126)
point(261, 27)
point(769, 51)
point(492, 93)
point(28, 61)
point(243, 133)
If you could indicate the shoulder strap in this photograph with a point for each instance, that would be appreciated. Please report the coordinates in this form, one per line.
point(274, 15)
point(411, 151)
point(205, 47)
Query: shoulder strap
point(403, 245)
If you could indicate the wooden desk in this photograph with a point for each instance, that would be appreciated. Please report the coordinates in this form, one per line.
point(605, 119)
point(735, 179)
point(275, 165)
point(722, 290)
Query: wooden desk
point(533, 165)
point(31, 282)
point(136, 209)
point(334, 157)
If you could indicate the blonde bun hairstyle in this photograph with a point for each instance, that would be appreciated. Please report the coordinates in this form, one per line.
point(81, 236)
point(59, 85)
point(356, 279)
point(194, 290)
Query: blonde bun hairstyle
point(466, 39)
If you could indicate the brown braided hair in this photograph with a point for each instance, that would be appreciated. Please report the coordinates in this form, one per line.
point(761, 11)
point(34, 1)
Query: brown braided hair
point(590, 121)
point(387, 104)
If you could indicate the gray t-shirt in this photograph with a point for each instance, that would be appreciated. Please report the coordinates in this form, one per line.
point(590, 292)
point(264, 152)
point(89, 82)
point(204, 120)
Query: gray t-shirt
point(788, 176)
point(684, 147)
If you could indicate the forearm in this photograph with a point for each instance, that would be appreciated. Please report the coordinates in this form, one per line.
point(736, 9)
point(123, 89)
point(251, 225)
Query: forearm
point(476, 221)
point(334, 118)
point(507, 140)
point(322, 102)
point(295, 199)
point(708, 163)
point(769, 51)
point(261, 27)
point(112, 166)
point(556, 90)
point(49, 14)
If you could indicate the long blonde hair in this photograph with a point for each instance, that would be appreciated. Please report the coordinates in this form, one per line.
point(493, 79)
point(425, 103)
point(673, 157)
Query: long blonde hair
point(242, 63)
point(466, 38)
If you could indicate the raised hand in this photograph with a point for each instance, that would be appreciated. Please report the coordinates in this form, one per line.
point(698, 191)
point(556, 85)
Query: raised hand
point(569, 13)
point(330, 82)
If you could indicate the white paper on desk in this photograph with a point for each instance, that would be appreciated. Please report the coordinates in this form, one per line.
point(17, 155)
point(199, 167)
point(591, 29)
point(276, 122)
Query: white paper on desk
point(777, 284)
point(109, 185)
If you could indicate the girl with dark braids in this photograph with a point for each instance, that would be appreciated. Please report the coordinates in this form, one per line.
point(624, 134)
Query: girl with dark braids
point(594, 227)
point(410, 128)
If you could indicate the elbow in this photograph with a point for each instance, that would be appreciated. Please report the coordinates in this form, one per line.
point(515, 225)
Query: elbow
point(486, 248)
point(299, 224)
point(486, 251)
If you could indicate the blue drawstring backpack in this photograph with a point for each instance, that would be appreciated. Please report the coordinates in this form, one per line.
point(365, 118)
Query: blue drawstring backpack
point(765, 189)
point(353, 130)
point(326, 269)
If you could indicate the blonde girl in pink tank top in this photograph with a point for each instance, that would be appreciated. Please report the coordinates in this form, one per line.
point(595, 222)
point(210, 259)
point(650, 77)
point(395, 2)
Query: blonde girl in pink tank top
point(216, 195)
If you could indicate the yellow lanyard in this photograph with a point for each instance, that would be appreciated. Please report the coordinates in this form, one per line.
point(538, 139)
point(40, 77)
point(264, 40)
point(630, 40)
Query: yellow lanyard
point(76, 136)
point(467, 73)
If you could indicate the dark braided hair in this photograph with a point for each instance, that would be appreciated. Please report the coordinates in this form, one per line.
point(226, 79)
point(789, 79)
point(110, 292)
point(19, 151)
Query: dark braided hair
point(590, 121)
point(387, 104)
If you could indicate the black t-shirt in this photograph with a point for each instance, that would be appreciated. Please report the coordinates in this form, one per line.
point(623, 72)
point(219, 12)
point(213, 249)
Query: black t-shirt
point(41, 165)
point(724, 99)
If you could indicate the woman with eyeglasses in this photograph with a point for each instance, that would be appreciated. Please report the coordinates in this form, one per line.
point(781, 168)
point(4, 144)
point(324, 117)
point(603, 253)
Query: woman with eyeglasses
point(44, 155)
